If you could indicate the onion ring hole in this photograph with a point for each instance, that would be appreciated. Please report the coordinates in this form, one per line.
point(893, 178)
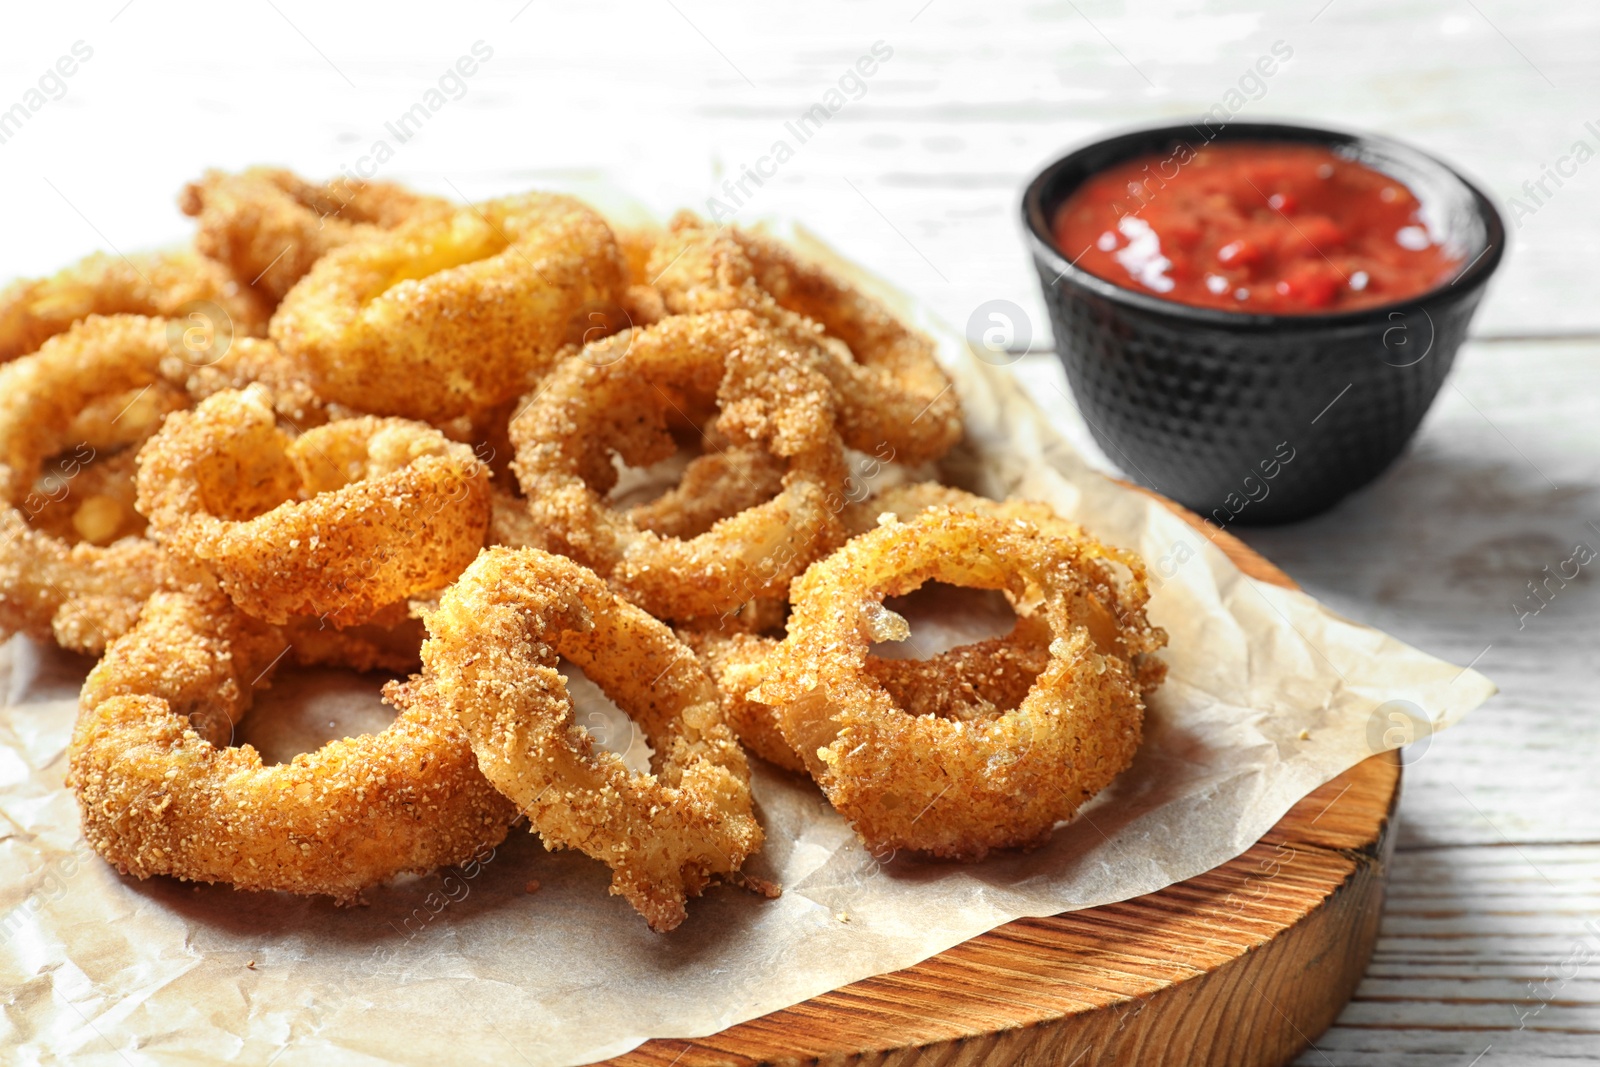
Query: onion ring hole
point(944, 616)
point(309, 706)
point(599, 716)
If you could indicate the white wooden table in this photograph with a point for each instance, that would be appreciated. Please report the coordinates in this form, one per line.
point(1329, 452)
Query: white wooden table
point(1490, 950)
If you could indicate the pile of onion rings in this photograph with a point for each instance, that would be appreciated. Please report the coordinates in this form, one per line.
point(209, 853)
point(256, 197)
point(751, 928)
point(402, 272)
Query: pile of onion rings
point(363, 427)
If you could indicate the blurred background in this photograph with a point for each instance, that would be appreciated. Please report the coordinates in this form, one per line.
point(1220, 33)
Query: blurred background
point(916, 174)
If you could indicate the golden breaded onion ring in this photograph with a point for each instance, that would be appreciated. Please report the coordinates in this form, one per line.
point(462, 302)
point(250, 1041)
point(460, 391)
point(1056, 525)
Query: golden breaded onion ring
point(980, 680)
point(179, 284)
point(102, 385)
point(269, 225)
point(640, 301)
point(621, 397)
point(451, 315)
point(491, 658)
point(161, 792)
point(891, 388)
point(960, 788)
point(1019, 651)
point(340, 521)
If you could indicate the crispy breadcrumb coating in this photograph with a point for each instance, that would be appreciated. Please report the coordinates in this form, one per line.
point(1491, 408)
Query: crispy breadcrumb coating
point(492, 657)
point(892, 391)
point(731, 546)
point(452, 315)
point(339, 522)
point(958, 788)
point(161, 792)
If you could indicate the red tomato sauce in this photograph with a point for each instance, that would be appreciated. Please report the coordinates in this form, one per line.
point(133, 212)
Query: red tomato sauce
point(1284, 229)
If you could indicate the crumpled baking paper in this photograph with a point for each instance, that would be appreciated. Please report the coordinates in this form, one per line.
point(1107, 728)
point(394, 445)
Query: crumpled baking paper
point(1269, 695)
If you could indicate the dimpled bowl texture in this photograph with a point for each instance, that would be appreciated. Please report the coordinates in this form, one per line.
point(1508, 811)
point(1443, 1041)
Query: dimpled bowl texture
point(1251, 418)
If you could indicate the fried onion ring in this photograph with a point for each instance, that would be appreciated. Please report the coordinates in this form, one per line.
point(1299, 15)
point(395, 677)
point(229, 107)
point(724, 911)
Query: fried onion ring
point(53, 403)
point(161, 793)
point(451, 315)
point(908, 500)
point(341, 521)
point(980, 680)
point(158, 284)
point(95, 505)
point(727, 549)
point(1011, 777)
point(640, 299)
point(891, 388)
point(492, 659)
point(270, 226)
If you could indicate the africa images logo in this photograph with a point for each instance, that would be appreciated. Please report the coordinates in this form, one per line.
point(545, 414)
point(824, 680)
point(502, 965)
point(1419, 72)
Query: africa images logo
point(50, 86)
point(850, 86)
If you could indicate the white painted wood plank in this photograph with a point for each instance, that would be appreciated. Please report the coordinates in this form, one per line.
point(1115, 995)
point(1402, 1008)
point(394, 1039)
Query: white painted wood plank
point(918, 178)
point(1477, 951)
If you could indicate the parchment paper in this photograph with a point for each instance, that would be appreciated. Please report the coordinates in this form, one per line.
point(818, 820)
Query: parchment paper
point(1269, 695)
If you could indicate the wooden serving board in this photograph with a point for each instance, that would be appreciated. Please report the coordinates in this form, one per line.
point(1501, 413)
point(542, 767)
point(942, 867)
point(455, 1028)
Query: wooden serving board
point(1243, 966)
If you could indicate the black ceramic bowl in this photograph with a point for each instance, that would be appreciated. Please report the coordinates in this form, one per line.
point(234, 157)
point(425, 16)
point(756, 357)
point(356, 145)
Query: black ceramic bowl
point(1250, 418)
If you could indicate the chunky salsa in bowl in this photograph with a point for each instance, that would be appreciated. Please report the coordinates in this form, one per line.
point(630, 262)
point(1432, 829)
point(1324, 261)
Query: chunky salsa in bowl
point(1269, 227)
point(1224, 296)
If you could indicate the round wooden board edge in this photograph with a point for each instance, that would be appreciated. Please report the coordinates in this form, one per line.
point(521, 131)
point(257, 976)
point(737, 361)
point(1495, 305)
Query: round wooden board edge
point(1102, 986)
